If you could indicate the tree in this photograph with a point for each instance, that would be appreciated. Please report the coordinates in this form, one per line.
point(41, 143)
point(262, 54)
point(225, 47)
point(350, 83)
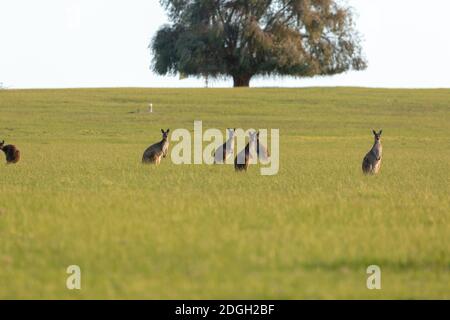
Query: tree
point(244, 38)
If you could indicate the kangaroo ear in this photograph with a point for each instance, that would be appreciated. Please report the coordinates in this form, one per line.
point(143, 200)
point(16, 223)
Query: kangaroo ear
point(167, 130)
point(374, 132)
point(381, 131)
point(162, 130)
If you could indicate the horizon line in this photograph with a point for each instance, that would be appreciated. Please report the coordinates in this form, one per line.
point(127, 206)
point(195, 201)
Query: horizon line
point(221, 87)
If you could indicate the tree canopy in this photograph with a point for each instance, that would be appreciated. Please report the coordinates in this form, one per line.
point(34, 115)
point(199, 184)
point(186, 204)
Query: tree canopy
point(244, 38)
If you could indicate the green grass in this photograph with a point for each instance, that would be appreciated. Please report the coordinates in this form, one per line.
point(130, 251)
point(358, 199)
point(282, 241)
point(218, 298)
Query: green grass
point(81, 196)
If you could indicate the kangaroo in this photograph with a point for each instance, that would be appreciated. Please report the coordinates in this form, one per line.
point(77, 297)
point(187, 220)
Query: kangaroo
point(155, 152)
point(261, 150)
point(227, 149)
point(11, 152)
point(246, 154)
point(372, 161)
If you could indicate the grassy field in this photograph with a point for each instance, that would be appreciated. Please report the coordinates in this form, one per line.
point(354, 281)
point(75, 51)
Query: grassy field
point(80, 195)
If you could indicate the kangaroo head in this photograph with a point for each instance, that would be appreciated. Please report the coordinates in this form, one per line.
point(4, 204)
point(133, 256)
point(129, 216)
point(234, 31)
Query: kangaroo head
point(231, 132)
point(165, 134)
point(377, 135)
point(2, 143)
point(254, 136)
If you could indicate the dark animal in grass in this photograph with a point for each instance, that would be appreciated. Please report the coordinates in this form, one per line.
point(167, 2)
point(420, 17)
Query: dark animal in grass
point(11, 152)
point(372, 161)
point(155, 152)
point(243, 158)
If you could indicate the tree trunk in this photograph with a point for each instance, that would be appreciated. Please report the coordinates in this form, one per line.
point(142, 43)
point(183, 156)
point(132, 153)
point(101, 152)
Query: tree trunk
point(241, 81)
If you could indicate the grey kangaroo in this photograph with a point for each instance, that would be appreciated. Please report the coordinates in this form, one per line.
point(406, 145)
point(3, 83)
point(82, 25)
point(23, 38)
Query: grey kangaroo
point(11, 152)
point(155, 152)
point(227, 149)
point(243, 158)
point(263, 153)
point(372, 161)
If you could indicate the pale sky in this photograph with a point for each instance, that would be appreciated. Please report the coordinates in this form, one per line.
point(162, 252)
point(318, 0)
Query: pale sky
point(103, 43)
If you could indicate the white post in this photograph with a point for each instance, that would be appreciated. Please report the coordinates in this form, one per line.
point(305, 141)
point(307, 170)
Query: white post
point(150, 107)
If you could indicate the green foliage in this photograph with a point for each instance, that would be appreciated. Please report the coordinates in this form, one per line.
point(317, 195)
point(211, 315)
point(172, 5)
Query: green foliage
point(301, 38)
point(81, 196)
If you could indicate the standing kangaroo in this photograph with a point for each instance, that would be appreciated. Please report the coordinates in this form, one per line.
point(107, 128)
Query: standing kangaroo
point(155, 152)
point(246, 154)
point(372, 161)
point(226, 150)
point(263, 153)
point(11, 152)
